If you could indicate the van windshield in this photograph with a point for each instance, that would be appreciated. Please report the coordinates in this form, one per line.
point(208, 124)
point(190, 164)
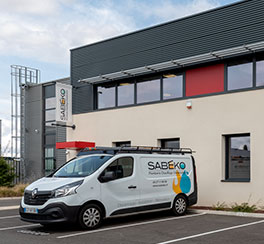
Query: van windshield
point(81, 167)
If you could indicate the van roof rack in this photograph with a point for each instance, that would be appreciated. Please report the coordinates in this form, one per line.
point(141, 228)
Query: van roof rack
point(135, 149)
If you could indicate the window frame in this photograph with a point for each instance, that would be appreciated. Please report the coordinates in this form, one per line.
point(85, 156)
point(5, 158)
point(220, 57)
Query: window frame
point(125, 143)
point(117, 159)
point(236, 62)
point(132, 84)
point(177, 74)
point(256, 60)
point(158, 79)
point(227, 156)
point(164, 140)
point(111, 85)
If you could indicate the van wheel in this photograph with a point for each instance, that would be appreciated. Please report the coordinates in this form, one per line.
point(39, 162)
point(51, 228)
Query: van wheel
point(90, 217)
point(180, 205)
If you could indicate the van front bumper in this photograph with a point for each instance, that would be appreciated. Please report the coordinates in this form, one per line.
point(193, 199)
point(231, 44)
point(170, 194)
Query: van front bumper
point(52, 213)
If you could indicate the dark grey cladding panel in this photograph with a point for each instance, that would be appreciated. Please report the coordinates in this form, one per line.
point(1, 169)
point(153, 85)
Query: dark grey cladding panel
point(82, 99)
point(214, 30)
point(60, 153)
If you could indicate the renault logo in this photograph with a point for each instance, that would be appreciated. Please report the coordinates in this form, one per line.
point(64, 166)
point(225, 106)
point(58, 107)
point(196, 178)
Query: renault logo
point(34, 193)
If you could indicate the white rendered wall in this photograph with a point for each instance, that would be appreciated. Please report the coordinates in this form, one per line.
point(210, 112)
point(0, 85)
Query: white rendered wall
point(201, 128)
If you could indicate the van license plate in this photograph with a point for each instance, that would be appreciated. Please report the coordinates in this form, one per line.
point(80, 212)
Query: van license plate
point(31, 210)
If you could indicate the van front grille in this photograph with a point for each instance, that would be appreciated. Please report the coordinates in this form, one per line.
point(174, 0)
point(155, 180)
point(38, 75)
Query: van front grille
point(39, 199)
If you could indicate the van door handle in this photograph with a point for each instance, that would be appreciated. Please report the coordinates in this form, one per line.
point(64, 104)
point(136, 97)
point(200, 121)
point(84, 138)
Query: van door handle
point(132, 187)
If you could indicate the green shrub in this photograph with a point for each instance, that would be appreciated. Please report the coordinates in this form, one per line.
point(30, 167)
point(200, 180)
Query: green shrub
point(219, 206)
point(6, 174)
point(244, 207)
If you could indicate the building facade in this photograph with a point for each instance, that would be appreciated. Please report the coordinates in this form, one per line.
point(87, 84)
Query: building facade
point(40, 135)
point(195, 82)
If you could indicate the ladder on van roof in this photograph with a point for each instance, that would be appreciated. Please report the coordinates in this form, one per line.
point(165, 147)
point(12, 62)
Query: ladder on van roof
point(135, 149)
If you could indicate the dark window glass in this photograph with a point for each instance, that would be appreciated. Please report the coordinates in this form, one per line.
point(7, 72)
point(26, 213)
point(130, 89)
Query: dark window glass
point(122, 167)
point(123, 144)
point(49, 91)
point(148, 91)
point(125, 94)
point(49, 152)
point(172, 86)
point(50, 139)
point(50, 115)
point(49, 164)
point(106, 96)
point(260, 73)
point(240, 76)
point(170, 143)
point(238, 157)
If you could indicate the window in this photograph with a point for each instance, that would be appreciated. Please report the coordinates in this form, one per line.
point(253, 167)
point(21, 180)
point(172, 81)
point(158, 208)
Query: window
point(240, 76)
point(122, 167)
point(170, 143)
point(50, 139)
point(49, 165)
point(50, 103)
point(260, 73)
point(49, 152)
point(122, 143)
point(49, 91)
point(237, 157)
point(172, 86)
point(50, 115)
point(148, 91)
point(126, 93)
point(106, 96)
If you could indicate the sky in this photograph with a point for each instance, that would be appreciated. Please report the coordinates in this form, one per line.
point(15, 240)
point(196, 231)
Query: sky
point(39, 34)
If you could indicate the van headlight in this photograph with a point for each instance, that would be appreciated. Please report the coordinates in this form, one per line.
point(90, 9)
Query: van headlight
point(67, 189)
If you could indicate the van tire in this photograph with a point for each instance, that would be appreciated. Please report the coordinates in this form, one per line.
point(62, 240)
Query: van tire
point(90, 217)
point(180, 205)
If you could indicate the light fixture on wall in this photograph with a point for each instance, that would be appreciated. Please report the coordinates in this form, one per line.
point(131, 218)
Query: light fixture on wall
point(62, 125)
point(189, 104)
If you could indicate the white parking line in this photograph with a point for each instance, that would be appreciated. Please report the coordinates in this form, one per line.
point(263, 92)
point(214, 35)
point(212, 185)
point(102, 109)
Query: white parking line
point(10, 217)
point(18, 227)
point(130, 225)
point(212, 232)
point(9, 207)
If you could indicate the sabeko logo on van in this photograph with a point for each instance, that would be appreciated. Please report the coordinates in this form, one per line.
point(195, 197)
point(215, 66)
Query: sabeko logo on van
point(166, 165)
point(180, 184)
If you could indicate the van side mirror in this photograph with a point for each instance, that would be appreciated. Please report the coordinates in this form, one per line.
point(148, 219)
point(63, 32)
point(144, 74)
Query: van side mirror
point(108, 176)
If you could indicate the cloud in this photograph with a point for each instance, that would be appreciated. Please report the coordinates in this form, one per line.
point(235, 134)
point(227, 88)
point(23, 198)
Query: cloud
point(49, 38)
point(46, 30)
point(29, 6)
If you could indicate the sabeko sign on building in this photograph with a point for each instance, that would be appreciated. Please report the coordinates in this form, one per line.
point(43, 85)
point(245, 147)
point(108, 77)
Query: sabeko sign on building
point(63, 103)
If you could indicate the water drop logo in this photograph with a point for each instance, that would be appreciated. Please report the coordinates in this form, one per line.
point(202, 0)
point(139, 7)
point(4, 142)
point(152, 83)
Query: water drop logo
point(183, 184)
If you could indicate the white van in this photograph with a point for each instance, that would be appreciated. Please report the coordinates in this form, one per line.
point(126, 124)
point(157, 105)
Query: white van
point(112, 181)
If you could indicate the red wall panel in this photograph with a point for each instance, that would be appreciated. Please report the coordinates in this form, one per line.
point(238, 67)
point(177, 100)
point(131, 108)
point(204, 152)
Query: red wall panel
point(205, 80)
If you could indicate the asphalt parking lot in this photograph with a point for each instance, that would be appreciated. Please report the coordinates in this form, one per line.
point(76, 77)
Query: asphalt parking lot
point(154, 228)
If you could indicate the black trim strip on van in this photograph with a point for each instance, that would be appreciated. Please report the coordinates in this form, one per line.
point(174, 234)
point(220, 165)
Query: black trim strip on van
point(142, 208)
